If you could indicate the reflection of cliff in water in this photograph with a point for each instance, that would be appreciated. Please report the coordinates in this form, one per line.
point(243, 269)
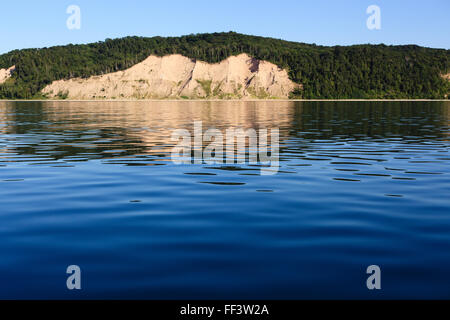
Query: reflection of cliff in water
point(89, 130)
point(120, 129)
point(43, 129)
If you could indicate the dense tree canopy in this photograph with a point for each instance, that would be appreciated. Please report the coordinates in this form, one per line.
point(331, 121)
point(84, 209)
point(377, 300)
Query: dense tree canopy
point(360, 71)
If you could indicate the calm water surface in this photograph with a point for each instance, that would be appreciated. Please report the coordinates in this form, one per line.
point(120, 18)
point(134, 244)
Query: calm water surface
point(92, 184)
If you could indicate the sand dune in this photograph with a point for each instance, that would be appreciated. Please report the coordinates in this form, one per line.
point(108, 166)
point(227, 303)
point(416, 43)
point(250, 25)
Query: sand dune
point(5, 74)
point(176, 76)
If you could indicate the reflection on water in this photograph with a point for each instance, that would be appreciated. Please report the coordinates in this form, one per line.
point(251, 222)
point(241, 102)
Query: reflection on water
point(92, 183)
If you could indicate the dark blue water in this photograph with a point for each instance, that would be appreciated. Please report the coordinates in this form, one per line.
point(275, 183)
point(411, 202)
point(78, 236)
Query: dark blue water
point(93, 184)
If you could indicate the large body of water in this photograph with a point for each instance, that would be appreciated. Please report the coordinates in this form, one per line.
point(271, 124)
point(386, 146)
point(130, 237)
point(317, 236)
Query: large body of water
point(92, 184)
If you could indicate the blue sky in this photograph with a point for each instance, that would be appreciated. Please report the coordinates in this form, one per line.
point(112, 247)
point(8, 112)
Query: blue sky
point(27, 23)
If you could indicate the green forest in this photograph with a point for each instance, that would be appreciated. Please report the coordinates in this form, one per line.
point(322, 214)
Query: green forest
point(339, 72)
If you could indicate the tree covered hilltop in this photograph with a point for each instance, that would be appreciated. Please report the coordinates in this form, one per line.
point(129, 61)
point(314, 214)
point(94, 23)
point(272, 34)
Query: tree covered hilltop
point(339, 72)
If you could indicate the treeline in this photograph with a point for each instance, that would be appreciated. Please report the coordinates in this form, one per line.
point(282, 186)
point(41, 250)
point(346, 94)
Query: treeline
point(360, 71)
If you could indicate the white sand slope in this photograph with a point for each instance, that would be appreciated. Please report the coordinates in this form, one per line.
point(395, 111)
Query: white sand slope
point(5, 74)
point(176, 76)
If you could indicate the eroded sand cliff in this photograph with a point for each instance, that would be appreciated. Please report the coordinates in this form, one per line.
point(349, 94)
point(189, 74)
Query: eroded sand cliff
point(5, 74)
point(176, 76)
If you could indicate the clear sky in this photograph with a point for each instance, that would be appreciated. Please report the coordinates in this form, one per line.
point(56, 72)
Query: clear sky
point(28, 23)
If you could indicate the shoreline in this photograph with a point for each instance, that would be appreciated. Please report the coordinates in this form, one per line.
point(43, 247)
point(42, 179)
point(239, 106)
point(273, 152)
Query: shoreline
point(223, 100)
